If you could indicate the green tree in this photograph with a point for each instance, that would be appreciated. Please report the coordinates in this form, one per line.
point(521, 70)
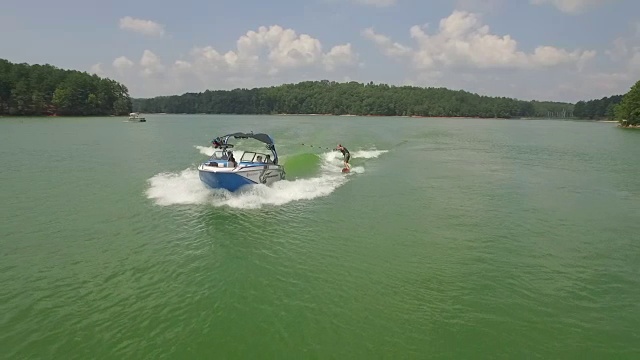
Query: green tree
point(21, 99)
point(62, 100)
point(41, 89)
point(629, 108)
point(579, 110)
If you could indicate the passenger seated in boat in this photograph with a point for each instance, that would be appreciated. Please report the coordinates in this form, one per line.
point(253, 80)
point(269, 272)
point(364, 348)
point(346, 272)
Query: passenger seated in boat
point(259, 158)
point(232, 161)
point(269, 159)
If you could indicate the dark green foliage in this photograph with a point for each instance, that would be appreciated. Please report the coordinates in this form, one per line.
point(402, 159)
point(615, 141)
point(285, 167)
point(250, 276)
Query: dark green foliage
point(628, 111)
point(46, 90)
point(329, 97)
point(597, 109)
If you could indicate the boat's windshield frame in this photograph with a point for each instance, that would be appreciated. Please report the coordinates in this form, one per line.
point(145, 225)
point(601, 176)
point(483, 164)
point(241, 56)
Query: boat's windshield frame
point(219, 155)
point(251, 156)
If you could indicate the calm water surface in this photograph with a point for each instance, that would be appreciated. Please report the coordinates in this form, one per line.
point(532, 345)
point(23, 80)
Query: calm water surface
point(452, 238)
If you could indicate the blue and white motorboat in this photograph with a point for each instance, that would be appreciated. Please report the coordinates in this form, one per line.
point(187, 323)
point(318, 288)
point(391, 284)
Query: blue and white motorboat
point(223, 171)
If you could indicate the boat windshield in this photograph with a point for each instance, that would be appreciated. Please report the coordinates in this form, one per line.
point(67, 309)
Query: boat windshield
point(219, 155)
point(254, 157)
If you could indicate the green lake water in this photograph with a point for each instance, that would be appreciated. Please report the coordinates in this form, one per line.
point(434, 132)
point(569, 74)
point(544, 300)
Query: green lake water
point(451, 238)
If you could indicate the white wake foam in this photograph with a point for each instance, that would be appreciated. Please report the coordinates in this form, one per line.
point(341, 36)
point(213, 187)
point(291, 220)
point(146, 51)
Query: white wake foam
point(182, 188)
point(205, 150)
point(333, 159)
point(367, 154)
point(360, 154)
point(185, 187)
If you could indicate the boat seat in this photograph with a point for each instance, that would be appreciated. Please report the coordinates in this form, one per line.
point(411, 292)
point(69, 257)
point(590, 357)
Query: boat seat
point(219, 164)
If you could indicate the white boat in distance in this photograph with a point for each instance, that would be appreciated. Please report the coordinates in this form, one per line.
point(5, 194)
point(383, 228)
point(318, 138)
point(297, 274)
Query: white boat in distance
point(134, 116)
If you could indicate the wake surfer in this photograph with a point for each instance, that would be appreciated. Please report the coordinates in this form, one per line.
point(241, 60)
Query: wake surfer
point(346, 155)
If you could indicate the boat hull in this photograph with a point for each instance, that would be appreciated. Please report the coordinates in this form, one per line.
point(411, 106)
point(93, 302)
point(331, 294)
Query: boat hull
point(235, 179)
point(135, 117)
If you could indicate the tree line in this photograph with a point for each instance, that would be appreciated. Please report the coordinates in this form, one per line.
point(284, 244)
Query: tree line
point(47, 90)
point(623, 108)
point(598, 108)
point(330, 97)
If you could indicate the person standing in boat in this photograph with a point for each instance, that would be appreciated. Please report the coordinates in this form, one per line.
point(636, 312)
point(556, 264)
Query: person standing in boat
point(232, 160)
point(346, 155)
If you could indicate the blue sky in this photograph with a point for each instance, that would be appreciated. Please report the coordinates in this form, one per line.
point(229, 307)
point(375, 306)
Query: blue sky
point(564, 50)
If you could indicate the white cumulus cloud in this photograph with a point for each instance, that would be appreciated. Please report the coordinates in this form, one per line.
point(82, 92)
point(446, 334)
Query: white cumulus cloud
point(459, 52)
point(122, 63)
point(463, 41)
point(387, 46)
point(150, 63)
point(463, 53)
point(624, 54)
point(271, 50)
point(339, 55)
point(265, 56)
point(96, 69)
point(145, 27)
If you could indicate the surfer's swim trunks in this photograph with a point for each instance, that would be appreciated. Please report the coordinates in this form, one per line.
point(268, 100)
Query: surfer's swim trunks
point(346, 154)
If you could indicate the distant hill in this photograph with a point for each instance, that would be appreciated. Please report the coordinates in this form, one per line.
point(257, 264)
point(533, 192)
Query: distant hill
point(46, 90)
point(330, 97)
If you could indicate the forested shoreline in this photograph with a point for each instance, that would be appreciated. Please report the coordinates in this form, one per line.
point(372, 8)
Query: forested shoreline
point(36, 90)
point(597, 109)
point(350, 98)
point(625, 109)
